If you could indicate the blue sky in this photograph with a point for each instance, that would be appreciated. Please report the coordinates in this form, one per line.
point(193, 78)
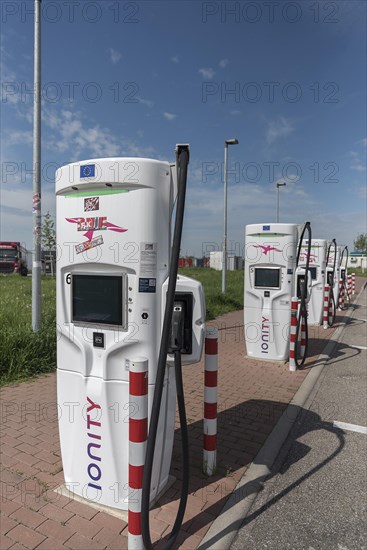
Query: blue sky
point(287, 79)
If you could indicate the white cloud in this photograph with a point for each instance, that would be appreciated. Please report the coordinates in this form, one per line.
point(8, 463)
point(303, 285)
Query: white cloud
point(207, 73)
point(358, 167)
point(175, 59)
point(364, 142)
point(115, 56)
point(223, 63)
point(169, 116)
point(146, 102)
point(71, 133)
point(281, 127)
point(17, 137)
point(357, 163)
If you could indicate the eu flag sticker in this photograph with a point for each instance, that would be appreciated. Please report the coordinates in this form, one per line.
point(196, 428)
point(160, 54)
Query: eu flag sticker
point(266, 227)
point(87, 171)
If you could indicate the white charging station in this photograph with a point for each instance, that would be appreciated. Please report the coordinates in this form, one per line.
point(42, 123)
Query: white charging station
point(271, 280)
point(317, 267)
point(114, 237)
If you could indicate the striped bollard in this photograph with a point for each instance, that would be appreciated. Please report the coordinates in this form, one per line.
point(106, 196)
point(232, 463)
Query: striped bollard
point(353, 284)
point(330, 319)
point(342, 297)
point(303, 335)
point(210, 401)
point(138, 434)
point(340, 294)
point(349, 285)
point(293, 332)
point(325, 318)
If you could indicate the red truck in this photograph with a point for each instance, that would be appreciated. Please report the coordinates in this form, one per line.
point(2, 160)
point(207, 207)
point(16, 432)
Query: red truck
point(13, 258)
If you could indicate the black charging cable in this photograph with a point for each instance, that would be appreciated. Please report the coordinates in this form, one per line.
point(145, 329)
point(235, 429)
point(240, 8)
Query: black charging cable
point(167, 343)
point(302, 317)
point(331, 303)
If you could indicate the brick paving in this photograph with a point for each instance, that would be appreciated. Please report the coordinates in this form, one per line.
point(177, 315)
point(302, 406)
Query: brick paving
point(252, 395)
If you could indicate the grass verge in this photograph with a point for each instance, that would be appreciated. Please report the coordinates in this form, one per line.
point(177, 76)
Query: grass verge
point(23, 353)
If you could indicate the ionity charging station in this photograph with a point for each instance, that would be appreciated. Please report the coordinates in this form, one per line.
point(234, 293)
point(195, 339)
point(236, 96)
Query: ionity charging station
point(116, 294)
point(317, 268)
point(272, 277)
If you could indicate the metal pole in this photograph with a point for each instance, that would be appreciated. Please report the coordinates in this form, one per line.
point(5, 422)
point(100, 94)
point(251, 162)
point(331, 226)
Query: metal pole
point(277, 203)
point(36, 267)
point(224, 256)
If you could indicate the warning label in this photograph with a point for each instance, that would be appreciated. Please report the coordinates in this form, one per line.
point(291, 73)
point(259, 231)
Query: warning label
point(147, 285)
point(148, 259)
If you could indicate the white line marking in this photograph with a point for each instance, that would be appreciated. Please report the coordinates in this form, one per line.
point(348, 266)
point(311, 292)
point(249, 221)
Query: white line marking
point(350, 427)
point(357, 347)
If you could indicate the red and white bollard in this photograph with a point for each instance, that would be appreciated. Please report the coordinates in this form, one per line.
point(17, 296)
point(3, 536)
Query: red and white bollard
point(341, 297)
point(349, 285)
point(353, 284)
point(325, 318)
point(303, 334)
point(138, 434)
point(338, 305)
point(292, 335)
point(331, 311)
point(210, 401)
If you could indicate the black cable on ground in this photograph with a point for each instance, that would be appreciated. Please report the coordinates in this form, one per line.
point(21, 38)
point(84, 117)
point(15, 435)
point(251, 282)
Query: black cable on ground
point(182, 163)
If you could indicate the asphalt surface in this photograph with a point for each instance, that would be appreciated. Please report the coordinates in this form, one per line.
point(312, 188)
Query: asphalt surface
point(316, 497)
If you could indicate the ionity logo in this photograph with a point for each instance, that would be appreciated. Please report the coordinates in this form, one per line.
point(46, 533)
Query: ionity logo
point(266, 249)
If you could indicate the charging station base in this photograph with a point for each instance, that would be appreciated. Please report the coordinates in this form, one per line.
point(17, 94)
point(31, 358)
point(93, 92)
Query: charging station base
point(278, 361)
point(115, 512)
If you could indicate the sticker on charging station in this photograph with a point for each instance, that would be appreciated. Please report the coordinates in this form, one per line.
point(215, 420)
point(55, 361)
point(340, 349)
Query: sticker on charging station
point(148, 260)
point(266, 227)
point(147, 285)
point(88, 171)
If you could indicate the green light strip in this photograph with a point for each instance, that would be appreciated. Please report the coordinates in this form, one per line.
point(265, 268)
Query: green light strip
point(269, 234)
point(96, 193)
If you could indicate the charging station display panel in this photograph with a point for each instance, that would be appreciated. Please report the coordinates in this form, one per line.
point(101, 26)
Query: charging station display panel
point(267, 277)
point(98, 299)
point(313, 271)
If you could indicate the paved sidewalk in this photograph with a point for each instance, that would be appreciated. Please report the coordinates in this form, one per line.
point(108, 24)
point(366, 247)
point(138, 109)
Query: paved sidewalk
point(252, 397)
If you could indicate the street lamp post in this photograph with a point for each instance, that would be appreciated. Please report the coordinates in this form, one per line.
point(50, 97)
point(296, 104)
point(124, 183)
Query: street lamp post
point(36, 267)
point(281, 184)
point(224, 255)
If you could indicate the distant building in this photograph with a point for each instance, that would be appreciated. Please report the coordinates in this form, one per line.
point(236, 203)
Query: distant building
point(233, 262)
point(357, 259)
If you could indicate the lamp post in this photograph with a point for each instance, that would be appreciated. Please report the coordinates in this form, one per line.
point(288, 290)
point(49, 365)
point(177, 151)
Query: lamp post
point(281, 184)
point(224, 256)
point(37, 223)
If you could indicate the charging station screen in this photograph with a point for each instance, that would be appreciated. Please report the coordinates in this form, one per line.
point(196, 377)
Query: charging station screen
point(313, 271)
point(267, 278)
point(97, 299)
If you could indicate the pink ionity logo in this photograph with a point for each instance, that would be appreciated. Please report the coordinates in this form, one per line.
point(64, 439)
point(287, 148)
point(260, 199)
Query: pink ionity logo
point(305, 255)
point(266, 249)
point(89, 225)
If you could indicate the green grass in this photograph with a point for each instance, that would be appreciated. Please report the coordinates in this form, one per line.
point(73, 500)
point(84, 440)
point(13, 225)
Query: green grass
point(216, 302)
point(25, 354)
point(357, 271)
